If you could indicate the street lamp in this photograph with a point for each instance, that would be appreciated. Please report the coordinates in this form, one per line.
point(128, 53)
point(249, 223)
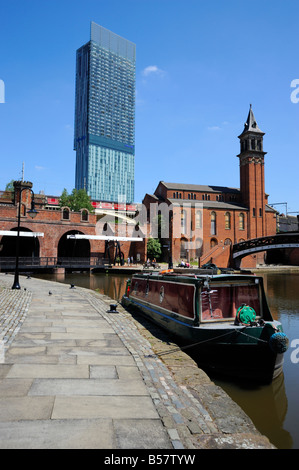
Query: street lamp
point(32, 213)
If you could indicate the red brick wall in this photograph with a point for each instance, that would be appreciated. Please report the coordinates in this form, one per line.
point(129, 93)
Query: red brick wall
point(51, 223)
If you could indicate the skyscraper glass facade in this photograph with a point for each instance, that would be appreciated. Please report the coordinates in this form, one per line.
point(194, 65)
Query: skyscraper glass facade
point(105, 116)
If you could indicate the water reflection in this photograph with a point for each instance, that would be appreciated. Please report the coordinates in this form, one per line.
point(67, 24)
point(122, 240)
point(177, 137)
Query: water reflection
point(272, 408)
point(112, 286)
point(266, 406)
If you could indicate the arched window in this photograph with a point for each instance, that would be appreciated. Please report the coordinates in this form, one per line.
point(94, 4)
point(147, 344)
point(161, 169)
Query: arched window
point(241, 221)
point(184, 245)
point(84, 215)
point(65, 213)
point(213, 223)
point(198, 219)
point(213, 242)
point(227, 220)
point(183, 221)
point(198, 247)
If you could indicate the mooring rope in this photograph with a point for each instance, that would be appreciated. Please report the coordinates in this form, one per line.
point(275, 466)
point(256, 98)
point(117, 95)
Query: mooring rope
point(209, 340)
point(194, 344)
point(164, 353)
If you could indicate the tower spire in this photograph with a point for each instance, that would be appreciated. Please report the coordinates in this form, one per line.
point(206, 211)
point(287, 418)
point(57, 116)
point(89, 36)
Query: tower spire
point(251, 124)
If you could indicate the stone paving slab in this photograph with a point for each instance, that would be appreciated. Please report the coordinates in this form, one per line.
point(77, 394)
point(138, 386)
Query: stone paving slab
point(48, 371)
point(74, 376)
point(115, 407)
point(24, 408)
point(97, 387)
point(67, 374)
point(58, 434)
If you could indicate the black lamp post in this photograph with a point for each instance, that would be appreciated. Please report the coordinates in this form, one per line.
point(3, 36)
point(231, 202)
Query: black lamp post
point(32, 213)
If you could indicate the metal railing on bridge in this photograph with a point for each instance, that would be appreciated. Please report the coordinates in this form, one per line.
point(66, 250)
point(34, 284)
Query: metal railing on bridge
point(280, 240)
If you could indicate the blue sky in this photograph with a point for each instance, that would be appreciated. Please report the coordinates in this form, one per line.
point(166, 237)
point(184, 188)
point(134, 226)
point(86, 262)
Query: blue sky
point(199, 66)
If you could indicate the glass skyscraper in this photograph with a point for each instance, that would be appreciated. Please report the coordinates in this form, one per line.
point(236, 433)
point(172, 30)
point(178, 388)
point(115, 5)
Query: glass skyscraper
point(104, 137)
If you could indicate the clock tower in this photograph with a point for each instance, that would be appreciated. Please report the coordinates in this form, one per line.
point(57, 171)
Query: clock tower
point(252, 180)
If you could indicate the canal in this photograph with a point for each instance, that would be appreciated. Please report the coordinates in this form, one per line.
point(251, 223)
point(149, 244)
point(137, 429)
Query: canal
point(273, 408)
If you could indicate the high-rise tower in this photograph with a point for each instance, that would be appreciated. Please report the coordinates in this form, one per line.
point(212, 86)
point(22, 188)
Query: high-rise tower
point(104, 137)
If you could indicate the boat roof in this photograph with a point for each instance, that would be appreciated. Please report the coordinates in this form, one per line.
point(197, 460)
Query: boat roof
point(204, 274)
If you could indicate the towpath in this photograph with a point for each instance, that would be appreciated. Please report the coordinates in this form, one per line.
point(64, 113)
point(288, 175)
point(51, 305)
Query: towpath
point(74, 376)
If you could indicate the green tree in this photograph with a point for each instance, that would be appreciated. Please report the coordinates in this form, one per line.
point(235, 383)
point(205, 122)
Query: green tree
point(154, 248)
point(77, 200)
point(10, 186)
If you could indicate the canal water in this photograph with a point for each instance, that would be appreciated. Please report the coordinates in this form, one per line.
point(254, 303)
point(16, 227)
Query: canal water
point(273, 408)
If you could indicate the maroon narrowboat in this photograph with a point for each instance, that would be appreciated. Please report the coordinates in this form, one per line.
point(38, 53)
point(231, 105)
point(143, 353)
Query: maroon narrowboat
point(224, 318)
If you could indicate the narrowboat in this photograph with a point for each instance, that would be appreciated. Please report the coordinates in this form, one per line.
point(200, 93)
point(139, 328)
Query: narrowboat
point(223, 318)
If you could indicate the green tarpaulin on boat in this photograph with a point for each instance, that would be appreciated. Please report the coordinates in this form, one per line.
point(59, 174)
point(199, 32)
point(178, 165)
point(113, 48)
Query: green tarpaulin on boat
point(246, 314)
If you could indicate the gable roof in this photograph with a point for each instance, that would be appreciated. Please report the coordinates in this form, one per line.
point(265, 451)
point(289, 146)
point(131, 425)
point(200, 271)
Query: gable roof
point(199, 187)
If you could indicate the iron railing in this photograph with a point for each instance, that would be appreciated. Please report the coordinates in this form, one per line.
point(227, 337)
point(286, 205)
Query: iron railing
point(52, 262)
point(282, 239)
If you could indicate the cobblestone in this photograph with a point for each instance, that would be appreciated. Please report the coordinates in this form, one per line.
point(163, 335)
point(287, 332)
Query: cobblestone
point(13, 310)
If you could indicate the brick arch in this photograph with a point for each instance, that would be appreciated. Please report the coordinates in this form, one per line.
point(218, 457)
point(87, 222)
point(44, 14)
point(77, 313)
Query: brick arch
point(29, 246)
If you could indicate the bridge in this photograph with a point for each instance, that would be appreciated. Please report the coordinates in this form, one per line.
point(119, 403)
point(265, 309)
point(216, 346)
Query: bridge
point(36, 263)
point(278, 241)
point(50, 263)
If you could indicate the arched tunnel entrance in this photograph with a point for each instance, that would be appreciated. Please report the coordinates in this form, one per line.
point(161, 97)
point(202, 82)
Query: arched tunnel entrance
point(73, 248)
point(29, 246)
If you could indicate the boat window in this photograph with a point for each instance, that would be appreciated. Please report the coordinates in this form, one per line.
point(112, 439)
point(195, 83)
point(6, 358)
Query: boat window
point(222, 302)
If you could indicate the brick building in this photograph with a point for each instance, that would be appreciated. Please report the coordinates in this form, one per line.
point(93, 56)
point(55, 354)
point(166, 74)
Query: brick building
point(205, 221)
point(53, 224)
point(197, 222)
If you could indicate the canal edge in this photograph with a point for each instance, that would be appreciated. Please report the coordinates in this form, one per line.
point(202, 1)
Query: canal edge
point(197, 413)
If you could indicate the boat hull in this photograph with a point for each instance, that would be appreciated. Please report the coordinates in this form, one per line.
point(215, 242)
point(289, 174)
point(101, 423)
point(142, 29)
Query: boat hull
point(226, 349)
